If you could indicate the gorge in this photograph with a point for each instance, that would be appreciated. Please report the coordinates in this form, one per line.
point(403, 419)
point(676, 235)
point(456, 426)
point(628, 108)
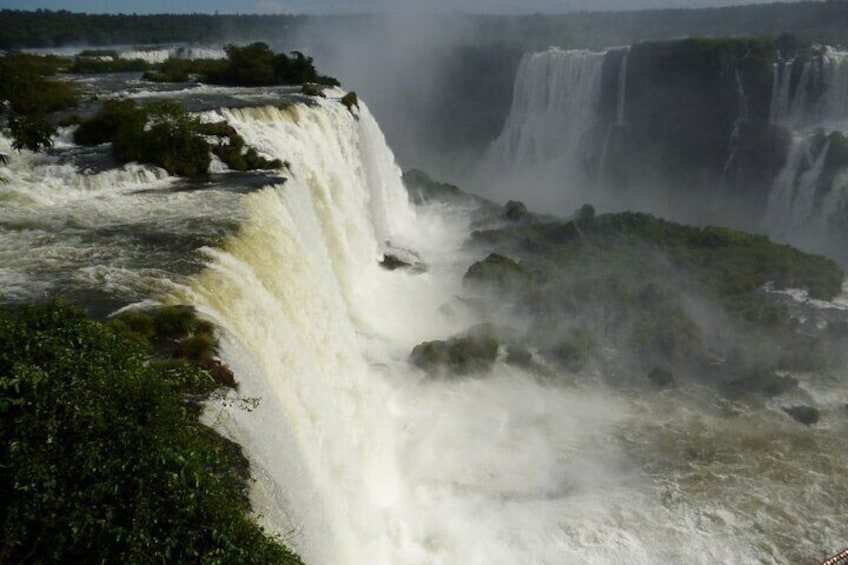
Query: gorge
point(640, 400)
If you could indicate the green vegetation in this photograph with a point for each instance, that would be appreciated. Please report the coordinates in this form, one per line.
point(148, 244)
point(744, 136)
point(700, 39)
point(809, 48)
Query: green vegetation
point(257, 65)
point(166, 135)
point(178, 338)
point(102, 458)
point(498, 273)
point(823, 21)
point(473, 352)
point(673, 301)
point(29, 96)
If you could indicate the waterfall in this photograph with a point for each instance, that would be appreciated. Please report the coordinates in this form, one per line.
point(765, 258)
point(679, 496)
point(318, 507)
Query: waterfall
point(554, 102)
point(358, 457)
point(741, 119)
point(548, 133)
point(804, 206)
point(622, 91)
point(819, 98)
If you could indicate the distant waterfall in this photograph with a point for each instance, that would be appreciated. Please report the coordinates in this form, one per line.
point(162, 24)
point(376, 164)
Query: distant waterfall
point(554, 103)
point(621, 97)
point(808, 202)
point(816, 95)
point(548, 133)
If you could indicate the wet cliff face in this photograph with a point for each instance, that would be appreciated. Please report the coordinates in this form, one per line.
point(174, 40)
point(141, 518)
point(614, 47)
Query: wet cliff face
point(744, 133)
point(696, 122)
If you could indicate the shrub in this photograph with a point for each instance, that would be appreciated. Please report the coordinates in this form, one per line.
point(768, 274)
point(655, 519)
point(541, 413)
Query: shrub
point(257, 65)
point(114, 116)
point(102, 460)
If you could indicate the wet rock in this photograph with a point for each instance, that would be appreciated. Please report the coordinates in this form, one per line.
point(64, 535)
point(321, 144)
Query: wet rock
point(806, 415)
point(398, 258)
point(310, 89)
point(498, 273)
point(350, 100)
point(392, 262)
point(474, 352)
point(661, 376)
point(519, 356)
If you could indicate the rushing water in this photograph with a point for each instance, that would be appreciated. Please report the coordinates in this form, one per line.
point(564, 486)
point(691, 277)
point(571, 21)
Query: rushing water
point(545, 138)
point(360, 458)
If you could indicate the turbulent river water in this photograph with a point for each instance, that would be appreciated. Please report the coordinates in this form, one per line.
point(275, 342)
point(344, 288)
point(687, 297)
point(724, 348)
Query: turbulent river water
point(361, 458)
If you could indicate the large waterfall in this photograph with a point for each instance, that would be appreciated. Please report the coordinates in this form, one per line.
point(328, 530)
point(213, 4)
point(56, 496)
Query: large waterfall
point(359, 457)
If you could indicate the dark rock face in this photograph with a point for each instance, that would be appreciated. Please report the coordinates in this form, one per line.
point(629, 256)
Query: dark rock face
point(697, 121)
point(806, 415)
point(391, 262)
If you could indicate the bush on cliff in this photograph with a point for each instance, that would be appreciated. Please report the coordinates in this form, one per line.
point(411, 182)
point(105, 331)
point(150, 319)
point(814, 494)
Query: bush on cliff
point(166, 135)
point(257, 65)
point(101, 458)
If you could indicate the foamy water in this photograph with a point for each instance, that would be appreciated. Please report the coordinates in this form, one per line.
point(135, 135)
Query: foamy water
point(360, 458)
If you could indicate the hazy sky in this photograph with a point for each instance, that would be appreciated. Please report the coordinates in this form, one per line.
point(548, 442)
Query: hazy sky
point(348, 6)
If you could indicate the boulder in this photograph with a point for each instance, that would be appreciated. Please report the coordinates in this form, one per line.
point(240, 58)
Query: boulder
point(350, 100)
point(498, 273)
point(662, 376)
point(473, 352)
point(806, 415)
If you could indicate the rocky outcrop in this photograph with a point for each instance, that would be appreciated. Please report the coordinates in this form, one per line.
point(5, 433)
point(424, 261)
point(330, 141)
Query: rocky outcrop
point(467, 354)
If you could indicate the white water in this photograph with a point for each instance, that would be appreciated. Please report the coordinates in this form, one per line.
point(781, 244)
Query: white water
point(160, 54)
point(545, 138)
point(361, 459)
point(800, 210)
point(621, 97)
point(799, 107)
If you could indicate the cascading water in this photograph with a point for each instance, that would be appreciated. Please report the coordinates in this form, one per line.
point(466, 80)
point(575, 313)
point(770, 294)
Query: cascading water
point(804, 206)
point(374, 463)
point(818, 97)
point(546, 136)
point(359, 458)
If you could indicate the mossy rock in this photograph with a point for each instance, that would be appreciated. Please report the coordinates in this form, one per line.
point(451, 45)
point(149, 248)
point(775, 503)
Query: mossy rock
point(806, 415)
point(474, 352)
point(313, 90)
point(498, 273)
point(350, 100)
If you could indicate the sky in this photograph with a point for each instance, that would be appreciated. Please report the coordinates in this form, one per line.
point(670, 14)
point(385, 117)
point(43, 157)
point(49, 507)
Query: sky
point(353, 6)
